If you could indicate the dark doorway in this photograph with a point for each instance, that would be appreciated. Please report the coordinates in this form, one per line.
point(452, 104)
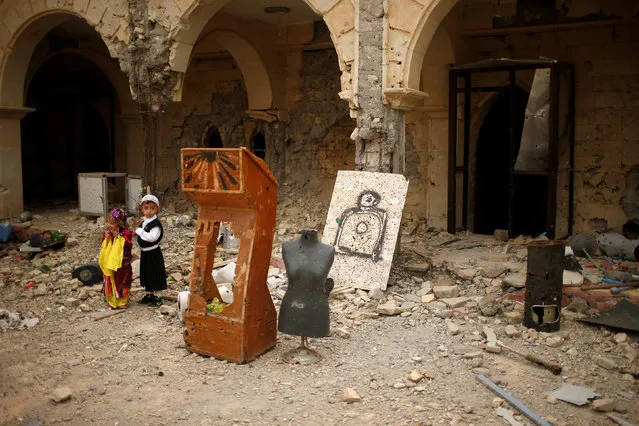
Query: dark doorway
point(213, 138)
point(493, 175)
point(259, 145)
point(70, 130)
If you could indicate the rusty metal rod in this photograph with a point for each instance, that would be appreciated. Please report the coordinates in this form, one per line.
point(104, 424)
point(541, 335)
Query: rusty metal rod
point(553, 368)
point(609, 286)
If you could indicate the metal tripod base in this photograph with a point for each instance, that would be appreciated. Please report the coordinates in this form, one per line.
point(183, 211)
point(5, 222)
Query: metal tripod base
point(302, 355)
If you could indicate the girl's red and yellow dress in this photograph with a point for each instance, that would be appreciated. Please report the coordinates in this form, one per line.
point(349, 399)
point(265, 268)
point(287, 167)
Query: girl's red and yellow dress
point(115, 262)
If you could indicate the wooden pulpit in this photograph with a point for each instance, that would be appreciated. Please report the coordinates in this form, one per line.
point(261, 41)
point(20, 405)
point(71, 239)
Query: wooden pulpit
point(231, 185)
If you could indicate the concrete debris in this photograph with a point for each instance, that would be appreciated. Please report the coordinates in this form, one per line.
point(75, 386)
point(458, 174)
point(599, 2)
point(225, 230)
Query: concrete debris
point(508, 416)
point(604, 405)
point(515, 280)
point(572, 278)
point(605, 363)
point(427, 298)
point(494, 271)
point(512, 331)
point(10, 320)
point(621, 338)
point(554, 341)
point(442, 292)
point(415, 376)
point(514, 317)
point(455, 302)
point(453, 329)
point(167, 310)
point(501, 235)
point(389, 309)
point(342, 332)
point(61, 394)
point(349, 395)
point(467, 274)
point(417, 267)
point(576, 395)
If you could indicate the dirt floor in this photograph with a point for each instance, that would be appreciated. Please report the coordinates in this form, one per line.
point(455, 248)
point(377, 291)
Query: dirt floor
point(133, 368)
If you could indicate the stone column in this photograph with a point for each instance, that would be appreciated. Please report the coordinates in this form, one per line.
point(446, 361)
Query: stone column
point(11, 201)
point(379, 136)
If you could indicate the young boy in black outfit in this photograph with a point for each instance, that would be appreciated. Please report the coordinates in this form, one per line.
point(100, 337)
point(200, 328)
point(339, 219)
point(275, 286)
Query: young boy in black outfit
point(152, 271)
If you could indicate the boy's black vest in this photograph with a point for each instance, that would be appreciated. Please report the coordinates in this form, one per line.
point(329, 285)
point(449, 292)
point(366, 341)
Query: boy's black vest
point(155, 222)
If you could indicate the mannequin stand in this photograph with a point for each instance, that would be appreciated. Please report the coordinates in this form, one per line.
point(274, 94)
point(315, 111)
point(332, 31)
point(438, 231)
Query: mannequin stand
point(302, 354)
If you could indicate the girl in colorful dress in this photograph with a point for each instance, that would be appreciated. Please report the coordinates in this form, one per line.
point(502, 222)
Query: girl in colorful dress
point(115, 260)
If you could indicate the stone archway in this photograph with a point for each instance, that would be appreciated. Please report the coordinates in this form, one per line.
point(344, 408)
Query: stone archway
point(339, 16)
point(410, 26)
point(25, 25)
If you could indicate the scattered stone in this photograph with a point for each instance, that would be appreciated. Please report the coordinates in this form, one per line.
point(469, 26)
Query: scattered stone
point(515, 280)
point(493, 348)
point(415, 376)
point(453, 329)
point(40, 291)
point(606, 363)
point(508, 416)
point(467, 274)
point(621, 338)
point(455, 302)
point(573, 278)
point(83, 294)
point(389, 308)
point(605, 405)
point(473, 354)
point(62, 394)
point(512, 331)
point(342, 332)
point(554, 341)
point(494, 271)
point(376, 294)
point(349, 395)
point(514, 317)
point(488, 305)
point(551, 399)
point(71, 302)
point(26, 216)
point(501, 235)
point(427, 298)
point(167, 310)
point(489, 333)
point(497, 402)
point(442, 292)
point(84, 307)
point(417, 267)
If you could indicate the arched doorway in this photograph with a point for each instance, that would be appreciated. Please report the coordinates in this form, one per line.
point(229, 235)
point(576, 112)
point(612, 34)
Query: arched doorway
point(258, 145)
point(212, 139)
point(493, 171)
point(71, 130)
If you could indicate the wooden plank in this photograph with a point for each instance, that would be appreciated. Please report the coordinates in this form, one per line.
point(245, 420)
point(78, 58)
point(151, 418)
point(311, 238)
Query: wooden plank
point(106, 314)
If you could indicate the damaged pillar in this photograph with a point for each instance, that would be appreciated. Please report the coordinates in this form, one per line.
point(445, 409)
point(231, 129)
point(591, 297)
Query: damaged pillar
point(379, 136)
point(11, 202)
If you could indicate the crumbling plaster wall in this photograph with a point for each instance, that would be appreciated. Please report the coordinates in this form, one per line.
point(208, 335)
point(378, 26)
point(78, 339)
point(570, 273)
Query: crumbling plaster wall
point(607, 104)
point(306, 147)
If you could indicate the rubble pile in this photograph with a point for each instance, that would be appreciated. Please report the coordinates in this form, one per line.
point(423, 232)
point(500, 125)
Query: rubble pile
point(467, 289)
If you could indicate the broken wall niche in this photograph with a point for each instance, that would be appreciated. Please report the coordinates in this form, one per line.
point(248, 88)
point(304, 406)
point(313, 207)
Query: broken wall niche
point(318, 134)
point(363, 224)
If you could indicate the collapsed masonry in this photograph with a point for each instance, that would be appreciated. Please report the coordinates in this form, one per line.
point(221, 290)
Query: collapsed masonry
point(124, 85)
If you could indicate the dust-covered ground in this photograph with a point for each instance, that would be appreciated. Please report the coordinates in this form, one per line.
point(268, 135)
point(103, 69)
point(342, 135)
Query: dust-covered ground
point(410, 354)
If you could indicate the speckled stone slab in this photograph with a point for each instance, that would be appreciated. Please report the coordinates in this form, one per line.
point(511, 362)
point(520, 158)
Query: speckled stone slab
point(363, 223)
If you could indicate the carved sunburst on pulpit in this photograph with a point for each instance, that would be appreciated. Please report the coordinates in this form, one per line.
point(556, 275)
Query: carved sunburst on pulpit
point(208, 169)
